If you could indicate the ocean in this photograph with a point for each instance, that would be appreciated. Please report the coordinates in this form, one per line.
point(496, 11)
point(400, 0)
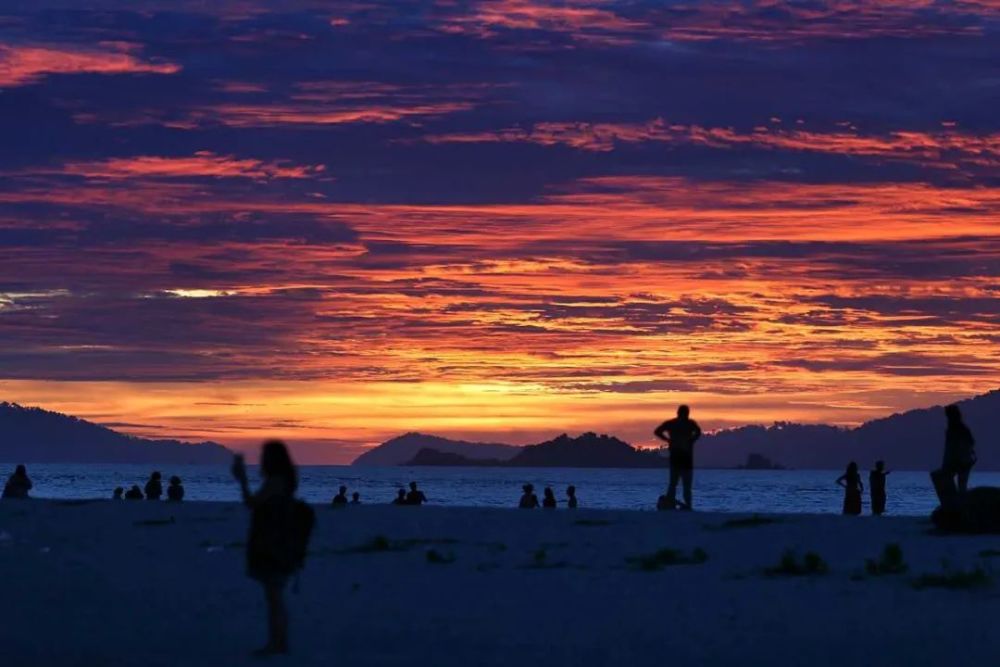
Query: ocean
point(793, 491)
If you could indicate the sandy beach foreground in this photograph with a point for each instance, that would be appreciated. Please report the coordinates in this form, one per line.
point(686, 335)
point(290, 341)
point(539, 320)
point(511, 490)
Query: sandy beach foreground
point(102, 583)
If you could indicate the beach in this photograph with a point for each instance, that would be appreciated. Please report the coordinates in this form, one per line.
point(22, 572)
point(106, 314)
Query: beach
point(151, 583)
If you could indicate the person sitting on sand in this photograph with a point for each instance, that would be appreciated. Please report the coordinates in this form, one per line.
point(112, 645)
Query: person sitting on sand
point(571, 497)
point(853, 488)
point(548, 499)
point(280, 527)
point(340, 500)
point(663, 503)
point(415, 496)
point(529, 500)
point(135, 493)
point(154, 488)
point(355, 498)
point(117, 495)
point(680, 434)
point(175, 492)
point(876, 487)
point(18, 484)
point(400, 497)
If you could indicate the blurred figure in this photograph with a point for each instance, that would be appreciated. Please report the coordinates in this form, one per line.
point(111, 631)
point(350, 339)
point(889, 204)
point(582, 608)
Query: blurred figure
point(529, 500)
point(175, 492)
point(341, 498)
point(154, 488)
point(400, 497)
point(135, 493)
point(18, 484)
point(548, 498)
point(415, 497)
point(355, 498)
point(853, 488)
point(280, 527)
point(117, 495)
point(680, 434)
point(876, 487)
point(571, 497)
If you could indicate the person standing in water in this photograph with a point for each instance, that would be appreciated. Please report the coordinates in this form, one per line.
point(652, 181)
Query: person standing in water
point(853, 488)
point(175, 492)
point(548, 498)
point(680, 434)
point(571, 502)
point(154, 487)
point(529, 500)
point(280, 527)
point(876, 487)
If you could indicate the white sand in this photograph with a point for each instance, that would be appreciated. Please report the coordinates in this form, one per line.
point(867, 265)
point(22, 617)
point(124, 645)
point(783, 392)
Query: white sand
point(86, 585)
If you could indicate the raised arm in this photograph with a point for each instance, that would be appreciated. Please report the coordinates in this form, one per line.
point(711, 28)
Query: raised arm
point(842, 480)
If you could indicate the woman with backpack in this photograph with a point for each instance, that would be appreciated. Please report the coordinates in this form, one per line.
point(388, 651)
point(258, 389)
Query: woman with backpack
point(280, 527)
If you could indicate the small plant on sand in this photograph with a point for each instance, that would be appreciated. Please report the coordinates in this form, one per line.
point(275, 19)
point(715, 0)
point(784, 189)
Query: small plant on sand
point(812, 564)
point(540, 561)
point(437, 558)
point(976, 577)
point(665, 558)
point(890, 562)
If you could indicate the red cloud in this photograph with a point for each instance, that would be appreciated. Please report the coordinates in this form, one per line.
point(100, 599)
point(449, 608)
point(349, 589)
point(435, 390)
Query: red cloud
point(24, 64)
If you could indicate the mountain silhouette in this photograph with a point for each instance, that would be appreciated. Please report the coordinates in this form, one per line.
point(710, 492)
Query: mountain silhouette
point(586, 451)
point(402, 450)
point(911, 440)
point(34, 435)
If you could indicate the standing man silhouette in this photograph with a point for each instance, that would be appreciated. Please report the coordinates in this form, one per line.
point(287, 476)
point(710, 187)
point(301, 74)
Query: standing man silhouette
point(680, 434)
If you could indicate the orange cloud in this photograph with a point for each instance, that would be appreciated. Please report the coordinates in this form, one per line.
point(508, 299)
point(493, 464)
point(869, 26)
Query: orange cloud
point(24, 64)
point(201, 164)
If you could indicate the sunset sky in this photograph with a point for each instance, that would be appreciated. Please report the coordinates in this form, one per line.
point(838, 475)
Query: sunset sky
point(335, 222)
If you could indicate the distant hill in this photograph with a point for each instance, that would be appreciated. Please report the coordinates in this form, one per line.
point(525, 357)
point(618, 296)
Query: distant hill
point(402, 450)
point(33, 435)
point(912, 440)
point(586, 451)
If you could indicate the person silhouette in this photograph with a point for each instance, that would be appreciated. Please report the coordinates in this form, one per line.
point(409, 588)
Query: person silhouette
point(548, 498)
point(400, 497)
point(154, 488)
point(355, 498)
point(117, 495)
point(853, 488)
point(135, 493)
point(341, 498)
point(876, 487)
point(571, 497)
point(415, 496)
point(529, 500)
point(18, 484)
point(680, 434)
point(959, 457)
point(279, 530)
point(175, 492)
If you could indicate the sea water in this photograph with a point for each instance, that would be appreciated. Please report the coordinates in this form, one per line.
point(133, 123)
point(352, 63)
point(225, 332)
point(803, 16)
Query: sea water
point(802, 491)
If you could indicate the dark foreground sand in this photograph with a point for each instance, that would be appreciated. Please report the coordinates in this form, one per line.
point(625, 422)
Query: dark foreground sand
point(99, 583)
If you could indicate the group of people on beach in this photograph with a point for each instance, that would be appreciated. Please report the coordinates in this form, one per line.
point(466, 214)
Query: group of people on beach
point(153, 490)
point(530, 501)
